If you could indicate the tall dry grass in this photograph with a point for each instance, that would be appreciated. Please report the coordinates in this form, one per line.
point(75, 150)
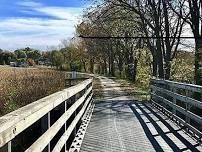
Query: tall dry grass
point(21, 86)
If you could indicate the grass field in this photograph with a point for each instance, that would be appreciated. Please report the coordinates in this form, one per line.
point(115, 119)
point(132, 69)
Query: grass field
point(21, 86)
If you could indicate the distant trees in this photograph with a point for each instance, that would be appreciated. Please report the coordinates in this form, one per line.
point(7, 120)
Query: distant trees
point(6, 57)
point(33, 54)
point(145, 18)
point(28, 53)
point(21, 55)
point(57, 58)
point(69, 56)
point(160, 22)
point(110, 53)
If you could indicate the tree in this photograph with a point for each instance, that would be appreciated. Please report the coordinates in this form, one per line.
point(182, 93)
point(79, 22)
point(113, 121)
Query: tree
point(157, 21)
point(20, 54)
point(6, 57)
point(57, 59)
point(33, 54)
point(190, 11)
point(103, 21)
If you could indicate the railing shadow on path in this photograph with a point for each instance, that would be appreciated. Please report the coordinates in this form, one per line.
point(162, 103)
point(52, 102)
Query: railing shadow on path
point(143, 111)
point(161, 139)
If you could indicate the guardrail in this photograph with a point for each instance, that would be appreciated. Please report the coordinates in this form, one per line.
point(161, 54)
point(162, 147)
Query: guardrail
point(73, 81)
point(72, 104)
point(176, 100)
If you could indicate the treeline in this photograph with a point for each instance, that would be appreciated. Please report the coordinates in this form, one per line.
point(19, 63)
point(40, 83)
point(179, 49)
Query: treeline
point(67, 56)
point(21, 56)
point(117, 32)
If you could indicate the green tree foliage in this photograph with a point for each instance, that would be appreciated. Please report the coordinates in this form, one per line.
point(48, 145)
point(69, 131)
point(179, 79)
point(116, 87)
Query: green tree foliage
point(33, 54)
point(21, 54)
point(57, 59)
point(6, 57)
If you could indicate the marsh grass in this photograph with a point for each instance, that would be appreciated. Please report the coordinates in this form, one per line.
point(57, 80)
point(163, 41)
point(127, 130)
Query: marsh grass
point(21, 86)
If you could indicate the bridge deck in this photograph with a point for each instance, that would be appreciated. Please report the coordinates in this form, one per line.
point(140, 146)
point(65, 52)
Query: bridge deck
point(120, 123)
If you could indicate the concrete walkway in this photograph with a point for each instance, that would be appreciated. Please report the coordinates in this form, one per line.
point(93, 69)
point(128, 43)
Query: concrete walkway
point(121, 124)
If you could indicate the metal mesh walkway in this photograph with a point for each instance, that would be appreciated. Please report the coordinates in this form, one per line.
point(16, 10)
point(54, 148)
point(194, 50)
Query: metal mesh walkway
point(121, 124)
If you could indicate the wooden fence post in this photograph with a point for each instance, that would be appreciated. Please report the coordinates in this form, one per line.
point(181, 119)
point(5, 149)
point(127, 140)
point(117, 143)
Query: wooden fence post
point(45, 124)
point(188, 106)
point(174, 100)
point(65, 123)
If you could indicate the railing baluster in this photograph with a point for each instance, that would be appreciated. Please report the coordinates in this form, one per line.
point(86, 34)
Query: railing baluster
point(45, 124)
point(6, 148)
point(65, 123)
point(9, 146)
point(188, 107)
point(174, 100)
point(75, 113)
point(49, 148)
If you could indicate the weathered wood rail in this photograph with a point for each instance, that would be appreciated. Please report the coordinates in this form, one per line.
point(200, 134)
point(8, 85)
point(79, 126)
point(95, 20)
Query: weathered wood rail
point(176, 100)
point(74, 100)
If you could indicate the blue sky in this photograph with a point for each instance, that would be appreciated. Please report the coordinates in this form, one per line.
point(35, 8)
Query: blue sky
point(38, 23)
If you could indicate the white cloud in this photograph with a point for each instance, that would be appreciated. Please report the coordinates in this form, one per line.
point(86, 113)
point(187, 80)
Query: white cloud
point(70, 13)
point(29, 3)
point(21, 32)
point(38, 32)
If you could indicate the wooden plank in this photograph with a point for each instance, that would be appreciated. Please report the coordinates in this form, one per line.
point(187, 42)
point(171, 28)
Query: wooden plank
point(43, 141)
point(66, 135)
point(182, 98)
point(190, 87)
point(180, 109)
point(15, 122)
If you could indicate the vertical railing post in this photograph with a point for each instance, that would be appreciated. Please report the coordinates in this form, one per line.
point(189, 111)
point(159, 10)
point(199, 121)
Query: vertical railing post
point(9, 146)
point(74, 98)
point(174, 90)
point(65, 123)
point(75, 113)
point(49, 148)
point(45, 125)
point(188, 107)
point(6, 148)
point(151, 90)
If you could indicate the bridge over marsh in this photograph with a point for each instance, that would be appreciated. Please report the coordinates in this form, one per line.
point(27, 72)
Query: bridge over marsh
point(73, 120)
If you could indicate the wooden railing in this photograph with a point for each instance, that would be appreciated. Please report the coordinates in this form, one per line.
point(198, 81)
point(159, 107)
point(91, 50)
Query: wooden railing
point(72, 104)
point(177, 101)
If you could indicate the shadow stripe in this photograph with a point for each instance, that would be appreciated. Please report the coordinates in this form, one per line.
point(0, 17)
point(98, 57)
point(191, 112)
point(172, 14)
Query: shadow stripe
point(149, 135)
point(160, 131)
point(182, 139)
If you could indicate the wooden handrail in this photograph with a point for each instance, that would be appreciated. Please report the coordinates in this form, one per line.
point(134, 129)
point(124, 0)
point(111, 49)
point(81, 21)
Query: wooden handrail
point(187, 113)
point(17, 121)
point(180, 97)
point(66, 135)
point(179, 85)
point(43, 141)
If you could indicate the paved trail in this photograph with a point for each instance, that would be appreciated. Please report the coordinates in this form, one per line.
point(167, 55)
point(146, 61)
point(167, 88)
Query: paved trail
point(121, 124)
